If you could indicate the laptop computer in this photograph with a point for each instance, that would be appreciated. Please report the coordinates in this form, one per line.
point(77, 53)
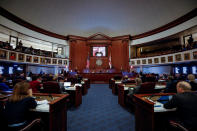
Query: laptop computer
point(66, 84)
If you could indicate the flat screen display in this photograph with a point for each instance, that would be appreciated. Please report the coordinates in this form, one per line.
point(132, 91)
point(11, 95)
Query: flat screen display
point(185, 70)
point(99, 51)
point(194, 70)
point(177, 70)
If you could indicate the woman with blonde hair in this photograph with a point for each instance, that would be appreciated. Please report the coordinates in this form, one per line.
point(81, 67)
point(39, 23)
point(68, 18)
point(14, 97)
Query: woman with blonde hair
point(18, 105)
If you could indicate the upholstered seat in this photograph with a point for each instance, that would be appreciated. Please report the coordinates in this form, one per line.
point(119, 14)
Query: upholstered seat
point(51, 87)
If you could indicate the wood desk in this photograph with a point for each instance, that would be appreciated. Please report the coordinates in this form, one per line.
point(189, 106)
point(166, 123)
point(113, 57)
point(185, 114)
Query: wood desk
point(115, 86)
point(147, 118)
point(99, 77)
point(75, 93)
point(122, 92)
point(56, 112)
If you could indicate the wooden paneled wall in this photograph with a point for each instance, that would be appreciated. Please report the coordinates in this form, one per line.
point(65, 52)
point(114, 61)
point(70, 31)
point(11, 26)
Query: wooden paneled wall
point(118, 48)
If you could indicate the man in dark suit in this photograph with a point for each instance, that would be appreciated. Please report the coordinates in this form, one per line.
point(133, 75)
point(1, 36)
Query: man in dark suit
point(185, 101)
point(192, 82)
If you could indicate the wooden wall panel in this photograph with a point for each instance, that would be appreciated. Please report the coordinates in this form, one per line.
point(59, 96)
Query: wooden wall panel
point(120, 55)
point(78, 55)
point(118, 49)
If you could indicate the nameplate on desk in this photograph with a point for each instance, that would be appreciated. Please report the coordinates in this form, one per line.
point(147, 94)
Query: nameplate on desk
point(42, 106)
point(158, 107)
point(160, 86)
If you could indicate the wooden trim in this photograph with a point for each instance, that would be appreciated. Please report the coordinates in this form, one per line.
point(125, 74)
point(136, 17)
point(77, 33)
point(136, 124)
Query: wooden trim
point(73, 37)
point(26, 24)
point(172, 24)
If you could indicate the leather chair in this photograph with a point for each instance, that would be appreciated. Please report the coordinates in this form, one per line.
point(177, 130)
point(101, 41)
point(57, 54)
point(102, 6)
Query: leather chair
point(177, 126)
point(147, 87)
point(51, 87)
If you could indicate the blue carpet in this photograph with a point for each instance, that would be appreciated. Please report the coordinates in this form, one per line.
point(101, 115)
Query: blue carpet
point(100, 111)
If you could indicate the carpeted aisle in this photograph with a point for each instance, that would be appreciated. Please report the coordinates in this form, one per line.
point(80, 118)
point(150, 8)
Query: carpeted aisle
point(100, 111)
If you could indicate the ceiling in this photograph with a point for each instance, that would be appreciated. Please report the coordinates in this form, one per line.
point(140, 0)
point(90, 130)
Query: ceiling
point(110, 17)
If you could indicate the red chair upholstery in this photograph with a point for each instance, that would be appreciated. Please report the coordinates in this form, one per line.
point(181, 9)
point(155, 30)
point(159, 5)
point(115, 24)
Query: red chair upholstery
point(51, 87)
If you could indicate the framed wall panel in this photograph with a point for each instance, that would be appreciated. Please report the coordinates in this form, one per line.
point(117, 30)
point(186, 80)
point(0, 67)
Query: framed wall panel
point(187, 56)
point(3, 54)
point(150, 61)
point(178, 57)
point(170, 58)
point(54, 61)
point(35, 59)
point(144, 61)
point(163, 59)
point(12, 56)
point(21, 57)
point(156, 60)
point(28, 58)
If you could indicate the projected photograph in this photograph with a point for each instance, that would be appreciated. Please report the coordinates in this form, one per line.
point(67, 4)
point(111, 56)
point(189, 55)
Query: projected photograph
point(99, 51)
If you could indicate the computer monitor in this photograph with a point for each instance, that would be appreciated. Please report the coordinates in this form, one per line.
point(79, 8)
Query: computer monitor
point(185, 70)
point(67, 84)
point(194, 70)
point(28, 78)
point(177, 70)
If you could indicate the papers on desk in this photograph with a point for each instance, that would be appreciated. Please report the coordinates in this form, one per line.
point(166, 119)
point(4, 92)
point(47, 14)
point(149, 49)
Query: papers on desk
point(127, 88)
point(77, 85)
point(158, 107)
point(42, 102)
point(118, 82)
point(157, 87)
point(43, 106)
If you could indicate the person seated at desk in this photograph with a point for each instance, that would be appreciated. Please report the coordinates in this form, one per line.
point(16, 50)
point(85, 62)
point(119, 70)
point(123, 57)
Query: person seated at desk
point(185, 102)
point(135, 90)
point(171, 85)
point(17, 108)
point(125, 79)
point(3, 86)
point(35, 84)
point(192, 82)
point(61, 84)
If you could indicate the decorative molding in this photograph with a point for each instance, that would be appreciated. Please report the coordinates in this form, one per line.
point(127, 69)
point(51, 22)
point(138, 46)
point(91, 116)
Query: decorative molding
point(172, 24)
point(26, 24)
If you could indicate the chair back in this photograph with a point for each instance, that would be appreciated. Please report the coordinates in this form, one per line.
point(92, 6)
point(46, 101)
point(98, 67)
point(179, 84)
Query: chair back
point(51, 87)
point(147, 87)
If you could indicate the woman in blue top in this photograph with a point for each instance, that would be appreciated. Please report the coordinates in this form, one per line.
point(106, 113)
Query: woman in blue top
point(17, 108)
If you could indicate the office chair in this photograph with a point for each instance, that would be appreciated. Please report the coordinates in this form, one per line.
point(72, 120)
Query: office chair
point(51, 87)
point(177, 126)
